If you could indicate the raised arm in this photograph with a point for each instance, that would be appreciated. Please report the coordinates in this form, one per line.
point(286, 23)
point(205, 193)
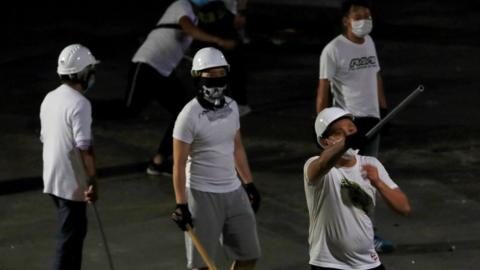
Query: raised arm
point(189, 28)
point(328, 158)
point(332, 152)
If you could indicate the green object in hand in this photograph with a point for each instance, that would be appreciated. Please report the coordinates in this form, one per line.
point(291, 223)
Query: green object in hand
point(357, 196)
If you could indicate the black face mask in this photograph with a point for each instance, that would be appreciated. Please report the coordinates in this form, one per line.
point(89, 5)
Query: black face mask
point(212, 90)
point(89, 81)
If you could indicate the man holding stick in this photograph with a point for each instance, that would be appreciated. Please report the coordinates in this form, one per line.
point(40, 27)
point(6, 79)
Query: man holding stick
point(69, 173)
point(350, 76)
point(210, 166)
point(340, 188)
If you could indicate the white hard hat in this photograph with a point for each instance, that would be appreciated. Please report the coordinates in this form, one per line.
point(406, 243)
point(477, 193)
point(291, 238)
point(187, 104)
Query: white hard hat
point(74, 58)
point(206, 58)
point(326, 117)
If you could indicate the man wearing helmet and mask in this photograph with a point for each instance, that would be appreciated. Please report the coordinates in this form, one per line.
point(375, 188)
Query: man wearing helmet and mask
point(226, 19)
point(350, 75)
point(210, 167)
point(69, 173)
point(340, 188)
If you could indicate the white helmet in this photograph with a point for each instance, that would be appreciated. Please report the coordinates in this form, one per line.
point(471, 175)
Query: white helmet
point(326, 117)
point(206, 58)
point(74, 58)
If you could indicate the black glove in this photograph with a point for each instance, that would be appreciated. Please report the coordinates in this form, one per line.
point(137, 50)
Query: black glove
point(182, 216)
point(386, 128)
point(253, 196)
point(355, 141)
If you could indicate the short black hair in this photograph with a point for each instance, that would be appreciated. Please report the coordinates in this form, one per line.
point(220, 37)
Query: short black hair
point(347, 4)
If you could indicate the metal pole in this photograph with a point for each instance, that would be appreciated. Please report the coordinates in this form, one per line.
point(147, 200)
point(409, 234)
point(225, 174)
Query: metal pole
point(400, 106)
point(104, 238)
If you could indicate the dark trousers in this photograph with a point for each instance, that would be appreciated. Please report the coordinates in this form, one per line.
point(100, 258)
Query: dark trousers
point(145, 85)
point(364, 124)
point(72, 217)
point(380, 267)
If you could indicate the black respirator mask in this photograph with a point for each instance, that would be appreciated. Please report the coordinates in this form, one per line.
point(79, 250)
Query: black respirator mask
point(89, 81)
point(86, 78)
point(211, 91)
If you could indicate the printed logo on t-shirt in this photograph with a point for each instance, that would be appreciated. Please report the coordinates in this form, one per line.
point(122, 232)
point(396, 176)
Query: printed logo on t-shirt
point(363, 62)
point(374, 256)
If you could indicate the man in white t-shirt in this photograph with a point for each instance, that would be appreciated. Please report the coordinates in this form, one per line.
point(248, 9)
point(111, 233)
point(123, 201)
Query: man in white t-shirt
point(340, 188)
point(69, 174)
point(350, 72)
point(153, 65)
point(210, 166)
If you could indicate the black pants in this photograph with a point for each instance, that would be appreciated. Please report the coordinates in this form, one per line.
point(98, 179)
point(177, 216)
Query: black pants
point(72, 217)
point(380, 267)
point(364, 124)
point(147, 84)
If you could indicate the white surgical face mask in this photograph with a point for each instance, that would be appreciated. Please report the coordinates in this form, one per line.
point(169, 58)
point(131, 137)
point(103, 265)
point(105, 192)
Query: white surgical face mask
point(361, 28)
point(350, 154)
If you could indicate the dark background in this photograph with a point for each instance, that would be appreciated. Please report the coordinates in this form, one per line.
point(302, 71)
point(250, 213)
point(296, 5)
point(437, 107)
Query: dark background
point(432, 150)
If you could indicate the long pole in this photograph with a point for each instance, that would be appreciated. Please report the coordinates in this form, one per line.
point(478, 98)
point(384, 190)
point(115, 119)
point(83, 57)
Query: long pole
point(104, 238)
point(394, 112)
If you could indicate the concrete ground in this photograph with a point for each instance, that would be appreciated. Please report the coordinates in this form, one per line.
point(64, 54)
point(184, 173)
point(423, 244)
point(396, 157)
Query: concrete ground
point(432, 150)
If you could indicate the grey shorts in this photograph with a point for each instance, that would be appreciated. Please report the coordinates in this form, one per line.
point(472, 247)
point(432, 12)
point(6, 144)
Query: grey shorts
point(225, 219)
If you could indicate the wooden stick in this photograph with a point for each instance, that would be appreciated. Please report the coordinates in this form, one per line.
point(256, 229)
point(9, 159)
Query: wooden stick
point(200, 249)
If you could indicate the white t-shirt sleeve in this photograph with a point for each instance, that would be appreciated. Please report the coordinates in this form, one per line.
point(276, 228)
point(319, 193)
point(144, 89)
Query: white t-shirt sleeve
point(182, 9)
point(184, 129)
point(305, 173)
point(82, 122)
point(327, 63)
point(41, 129)
point(231, 5)
point(382, 173)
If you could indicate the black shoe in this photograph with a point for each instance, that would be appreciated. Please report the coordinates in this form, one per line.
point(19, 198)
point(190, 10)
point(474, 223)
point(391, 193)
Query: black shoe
point(165, 168)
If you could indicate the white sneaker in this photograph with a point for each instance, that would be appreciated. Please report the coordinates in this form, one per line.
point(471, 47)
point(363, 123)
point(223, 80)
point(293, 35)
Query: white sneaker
point(244, 110)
